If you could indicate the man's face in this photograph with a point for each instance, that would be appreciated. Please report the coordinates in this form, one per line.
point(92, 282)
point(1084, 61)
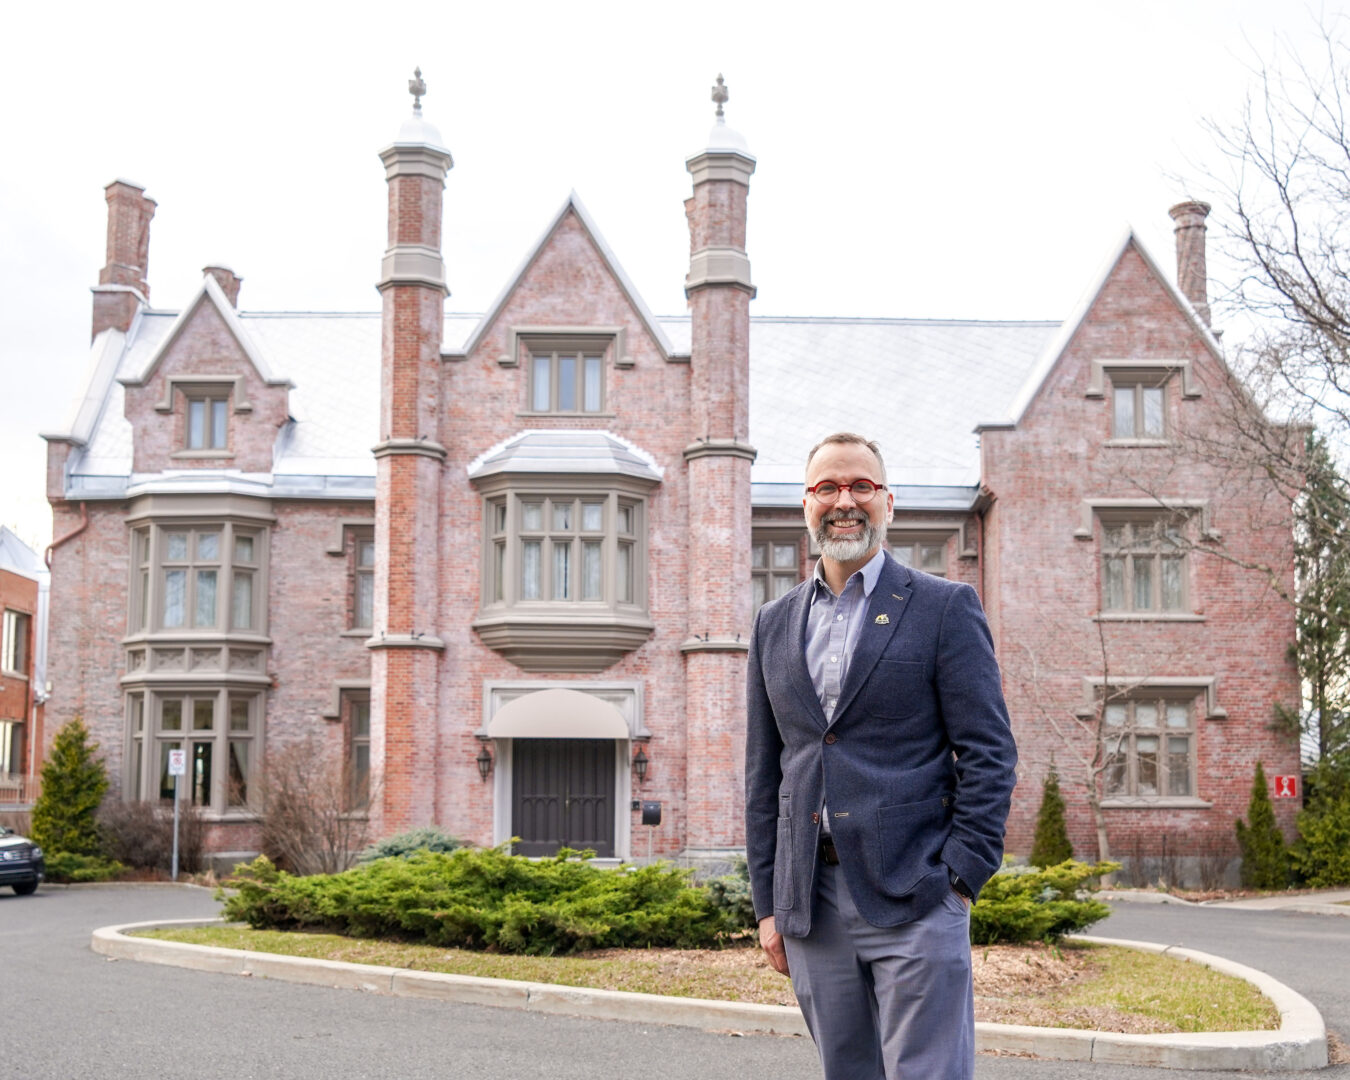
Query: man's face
point(845, 531)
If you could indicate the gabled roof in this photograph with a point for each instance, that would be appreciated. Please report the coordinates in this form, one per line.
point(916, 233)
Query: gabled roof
point(1055, 348)
point(208, 293)
point(574, 205)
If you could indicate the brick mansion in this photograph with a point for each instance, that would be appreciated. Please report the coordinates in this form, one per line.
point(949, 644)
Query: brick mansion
point(499, 569)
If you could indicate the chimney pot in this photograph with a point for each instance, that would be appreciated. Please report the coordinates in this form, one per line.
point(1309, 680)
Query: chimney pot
point(228, 281)
point(1192, 277)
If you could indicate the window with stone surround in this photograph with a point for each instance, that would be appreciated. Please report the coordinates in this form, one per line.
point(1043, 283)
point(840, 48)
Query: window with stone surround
point(560, 548)
point(922, 551)
point(1148, 745)
point(564, 548)
point(566, 379)
point(362, 578)
point(356, 727)
point(1144, 563)
point(775, 568)
point(206, 425)
point(196, 578)
point(1138, 399)
point(219, 729)
point(14, 643)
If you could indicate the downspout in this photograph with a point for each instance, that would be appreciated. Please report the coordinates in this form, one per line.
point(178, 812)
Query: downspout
point(84, 524)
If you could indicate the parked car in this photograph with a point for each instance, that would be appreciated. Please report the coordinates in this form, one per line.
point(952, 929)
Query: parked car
point(22, 866)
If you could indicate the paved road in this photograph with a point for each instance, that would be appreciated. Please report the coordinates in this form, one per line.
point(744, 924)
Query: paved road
point(71, 1013)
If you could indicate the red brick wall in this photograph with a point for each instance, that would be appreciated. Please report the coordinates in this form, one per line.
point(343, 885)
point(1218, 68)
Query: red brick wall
point(1042, 584)
point(19, 593)
point(568, 284)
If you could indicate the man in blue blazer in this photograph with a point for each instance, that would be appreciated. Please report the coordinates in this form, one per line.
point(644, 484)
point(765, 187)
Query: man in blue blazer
point(879, 770)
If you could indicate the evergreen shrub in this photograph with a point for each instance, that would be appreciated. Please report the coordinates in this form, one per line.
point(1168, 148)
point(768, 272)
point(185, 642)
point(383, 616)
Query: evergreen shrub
point(67, 867)
point(730, 895)
point(73, 785)
point(1321, 854)
point(484, 898)
point(1265, 859)
point(427, 838)
point(1050, 846)
point(1022, 903)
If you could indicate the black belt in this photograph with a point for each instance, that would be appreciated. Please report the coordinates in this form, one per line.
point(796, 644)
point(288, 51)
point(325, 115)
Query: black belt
point(829, 855)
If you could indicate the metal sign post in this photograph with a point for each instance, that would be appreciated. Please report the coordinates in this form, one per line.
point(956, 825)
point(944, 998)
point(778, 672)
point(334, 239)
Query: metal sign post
point(177, 767)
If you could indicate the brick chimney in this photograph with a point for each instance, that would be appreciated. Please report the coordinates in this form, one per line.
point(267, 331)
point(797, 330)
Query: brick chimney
point(228, 281)
point(1192, 279)
point(122, 283)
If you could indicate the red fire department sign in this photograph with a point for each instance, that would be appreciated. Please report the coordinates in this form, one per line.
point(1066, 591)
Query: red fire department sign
point(1286, 787)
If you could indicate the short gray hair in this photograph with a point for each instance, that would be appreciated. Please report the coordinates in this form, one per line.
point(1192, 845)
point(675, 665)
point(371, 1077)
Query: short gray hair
point(849, 438)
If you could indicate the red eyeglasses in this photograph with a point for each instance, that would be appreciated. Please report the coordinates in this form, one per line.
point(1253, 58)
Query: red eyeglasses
point(827, 491)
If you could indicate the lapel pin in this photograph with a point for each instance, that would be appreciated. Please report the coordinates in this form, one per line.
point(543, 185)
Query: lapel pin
point(882, 619)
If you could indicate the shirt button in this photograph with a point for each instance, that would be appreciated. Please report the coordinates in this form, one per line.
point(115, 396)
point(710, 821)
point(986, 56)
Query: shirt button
point(837, 618)
point(830, 738)
point(834, 659)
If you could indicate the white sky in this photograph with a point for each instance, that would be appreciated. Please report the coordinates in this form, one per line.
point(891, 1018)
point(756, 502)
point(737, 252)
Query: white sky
point(915, 159)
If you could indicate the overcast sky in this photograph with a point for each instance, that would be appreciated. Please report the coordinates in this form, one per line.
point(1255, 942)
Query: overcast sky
point(973, 160)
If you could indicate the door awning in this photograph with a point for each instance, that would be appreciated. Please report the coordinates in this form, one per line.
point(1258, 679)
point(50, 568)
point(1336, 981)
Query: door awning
point(558, 714)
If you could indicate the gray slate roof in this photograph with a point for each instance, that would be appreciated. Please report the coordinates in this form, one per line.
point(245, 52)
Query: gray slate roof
point(918, 386)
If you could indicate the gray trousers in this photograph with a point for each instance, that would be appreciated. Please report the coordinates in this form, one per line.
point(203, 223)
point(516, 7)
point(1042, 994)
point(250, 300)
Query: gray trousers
point(894, 1002)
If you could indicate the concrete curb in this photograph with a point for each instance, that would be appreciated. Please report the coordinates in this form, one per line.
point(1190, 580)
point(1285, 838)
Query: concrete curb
point(1300, 1042)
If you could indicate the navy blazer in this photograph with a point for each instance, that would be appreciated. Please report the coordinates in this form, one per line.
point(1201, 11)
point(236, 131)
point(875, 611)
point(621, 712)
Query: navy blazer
point(916, 767)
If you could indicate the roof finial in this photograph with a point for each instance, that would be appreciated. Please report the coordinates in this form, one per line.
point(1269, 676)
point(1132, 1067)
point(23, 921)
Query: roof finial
point(720, 95)
point(416, 87)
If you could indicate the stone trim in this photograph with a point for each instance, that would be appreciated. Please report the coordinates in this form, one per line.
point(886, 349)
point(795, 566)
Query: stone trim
point(720, 448)
point(1148, 616)
point(412, 264)
point(720, 165)
point(607, 338)
point(715, 643)
point(338, 545)
point(719, 266)
point(187, 383)
point(338, 687)
point(1099, 369)
point(539, 639)
point(207, 508)
point(1208, 684)
point(413, 447)
point(405, 641)
point(1157, 802)
point(416, 159)
point(1089, 509)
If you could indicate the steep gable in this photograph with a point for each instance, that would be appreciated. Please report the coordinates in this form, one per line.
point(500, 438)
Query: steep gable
point(206, 397)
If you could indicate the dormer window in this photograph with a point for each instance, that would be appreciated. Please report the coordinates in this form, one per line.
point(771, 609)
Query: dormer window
point(567, 378)
point(207, 424)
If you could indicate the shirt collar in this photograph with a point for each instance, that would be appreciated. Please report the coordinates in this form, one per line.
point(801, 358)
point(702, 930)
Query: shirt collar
point(870, 574)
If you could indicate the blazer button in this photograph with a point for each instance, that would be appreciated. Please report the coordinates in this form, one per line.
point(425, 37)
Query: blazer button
point(815, 819)
point(830, 738)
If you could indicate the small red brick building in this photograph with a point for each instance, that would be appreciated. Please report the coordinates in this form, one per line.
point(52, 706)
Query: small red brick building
point(501, 567)
point(23, 628)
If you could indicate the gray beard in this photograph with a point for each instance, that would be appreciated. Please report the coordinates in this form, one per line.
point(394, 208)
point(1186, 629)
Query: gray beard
point(845, 549)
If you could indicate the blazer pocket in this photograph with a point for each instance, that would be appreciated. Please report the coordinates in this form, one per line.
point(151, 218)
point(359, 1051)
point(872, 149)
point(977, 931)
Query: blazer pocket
point(910, 839)
point(783, 891)
point(896, 689)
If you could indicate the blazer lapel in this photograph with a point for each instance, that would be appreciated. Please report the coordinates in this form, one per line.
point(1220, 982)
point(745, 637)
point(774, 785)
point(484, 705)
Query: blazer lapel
point(885, 609)
point(798, 673)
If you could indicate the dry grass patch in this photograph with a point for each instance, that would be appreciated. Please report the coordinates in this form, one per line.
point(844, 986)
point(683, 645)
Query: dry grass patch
point(1071, 985)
